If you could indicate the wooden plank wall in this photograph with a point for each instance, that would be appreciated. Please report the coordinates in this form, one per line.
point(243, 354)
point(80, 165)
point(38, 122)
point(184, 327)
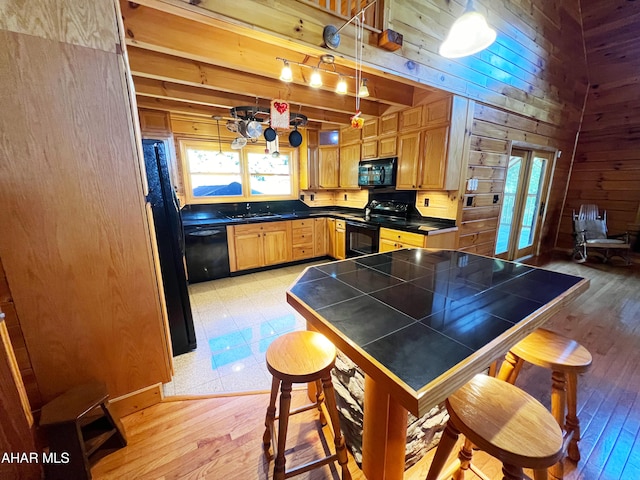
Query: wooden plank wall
point(607, 166)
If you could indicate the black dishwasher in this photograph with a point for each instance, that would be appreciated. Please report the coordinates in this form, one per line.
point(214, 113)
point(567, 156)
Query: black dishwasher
point(206, 253)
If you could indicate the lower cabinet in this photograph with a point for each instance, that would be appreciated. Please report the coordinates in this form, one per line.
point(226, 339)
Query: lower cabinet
point(331, 237)
point(394, 239)
point(320, 240)
point(259, 245)
point(340, 252)
point(302, 236)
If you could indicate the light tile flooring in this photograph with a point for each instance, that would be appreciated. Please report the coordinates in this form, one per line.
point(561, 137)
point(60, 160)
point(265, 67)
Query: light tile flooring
point(235, 319)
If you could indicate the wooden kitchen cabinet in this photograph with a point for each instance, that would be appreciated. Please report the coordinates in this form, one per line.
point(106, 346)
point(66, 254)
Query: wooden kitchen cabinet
point(410, 119)
point(370, 129)
point(408, 161)
point(394, 239)
point(320, 237)
point(331, 237)
point(434, 154)
point(437, 113)
point(370, 149)
point(431, 158)
point(302, 239)
point(387, 147)
point(349, 158)
point(388, 124)
point(259, 245)
point(340, 240)
point(328, 166)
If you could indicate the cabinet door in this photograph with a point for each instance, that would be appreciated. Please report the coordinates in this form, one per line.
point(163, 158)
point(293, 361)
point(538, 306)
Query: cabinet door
point(410, 118)
point(370, 129)
point(328, 167)
point(341, 239)
point(276, 247)
point(370, 149)
point(437, 113)
point(319, 237)
point(388, 124)
point(388, 245)
point(349, 158)
point(387, 146)
point(310, 180)
point(331, 237)
point(434, 157)
point(249, 251)
point(408, 161)
point(350, 135)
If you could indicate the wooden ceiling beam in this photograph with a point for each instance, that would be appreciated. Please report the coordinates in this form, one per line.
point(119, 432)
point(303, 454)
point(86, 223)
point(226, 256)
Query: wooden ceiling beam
point(148, 87)
point(183, 71)
point(198, 41)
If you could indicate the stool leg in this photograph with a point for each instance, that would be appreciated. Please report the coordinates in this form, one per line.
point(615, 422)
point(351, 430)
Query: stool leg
point(510, 368)
point(319, 400)
point(447, 442)
point(464, 455)
point(572, 423)
point(341, 449)
point(540, 474)
point(270, 418)
point(558, 402)
point(283, 424)
point(511, 472)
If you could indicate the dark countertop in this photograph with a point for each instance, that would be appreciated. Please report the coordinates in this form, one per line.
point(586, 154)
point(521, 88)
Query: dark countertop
point(423, 225)
point(417, 315)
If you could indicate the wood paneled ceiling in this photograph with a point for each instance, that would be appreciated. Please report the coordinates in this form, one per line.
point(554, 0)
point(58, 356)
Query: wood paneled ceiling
point(190, 63)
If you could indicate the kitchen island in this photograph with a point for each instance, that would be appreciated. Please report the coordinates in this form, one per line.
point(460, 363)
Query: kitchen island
point(420, 323)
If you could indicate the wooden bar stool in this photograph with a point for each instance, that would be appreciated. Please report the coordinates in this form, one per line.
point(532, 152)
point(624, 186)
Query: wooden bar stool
point(566, 358)
point(301, 357)
point(504, 421)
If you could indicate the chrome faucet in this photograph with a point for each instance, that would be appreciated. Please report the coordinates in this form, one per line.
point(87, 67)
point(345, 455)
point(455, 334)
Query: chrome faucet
point(248, 207)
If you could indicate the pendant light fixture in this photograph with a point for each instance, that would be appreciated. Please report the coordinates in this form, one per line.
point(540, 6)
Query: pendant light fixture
point(316, 79)
point(363, 91)
point(286, 75)
point(341, 86)
point(469, 34)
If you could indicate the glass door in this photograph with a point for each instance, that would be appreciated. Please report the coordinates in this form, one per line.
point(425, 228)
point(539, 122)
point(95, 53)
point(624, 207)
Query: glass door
point(525, 193)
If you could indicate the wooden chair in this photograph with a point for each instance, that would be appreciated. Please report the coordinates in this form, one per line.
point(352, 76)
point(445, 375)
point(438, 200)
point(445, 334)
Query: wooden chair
point(590, 233)
point(505, 422)
point(301, 357)
point(566, 358)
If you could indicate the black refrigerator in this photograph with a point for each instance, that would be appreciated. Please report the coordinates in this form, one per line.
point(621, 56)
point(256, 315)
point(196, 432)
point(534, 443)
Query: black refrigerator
point(170, 240)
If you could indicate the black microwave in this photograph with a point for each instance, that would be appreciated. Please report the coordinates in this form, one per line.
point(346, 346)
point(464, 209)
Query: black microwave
point(377, 173)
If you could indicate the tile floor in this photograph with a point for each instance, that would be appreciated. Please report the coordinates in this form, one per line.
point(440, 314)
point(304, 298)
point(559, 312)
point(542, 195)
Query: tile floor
point(235, 319)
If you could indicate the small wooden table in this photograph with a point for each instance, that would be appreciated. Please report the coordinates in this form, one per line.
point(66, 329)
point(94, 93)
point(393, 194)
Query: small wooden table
point(421, 323)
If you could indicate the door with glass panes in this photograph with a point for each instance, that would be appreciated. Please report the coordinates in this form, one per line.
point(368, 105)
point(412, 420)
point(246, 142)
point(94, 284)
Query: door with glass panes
point(525, 193)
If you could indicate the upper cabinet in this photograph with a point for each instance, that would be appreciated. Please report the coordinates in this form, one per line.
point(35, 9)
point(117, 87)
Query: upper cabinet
point(430, 154)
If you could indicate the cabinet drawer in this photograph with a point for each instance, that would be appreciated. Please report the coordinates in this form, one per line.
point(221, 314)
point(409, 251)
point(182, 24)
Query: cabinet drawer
point(307, 222)
point(408, 239)
point(260, 227)
point(302, 235)
point(302, 251)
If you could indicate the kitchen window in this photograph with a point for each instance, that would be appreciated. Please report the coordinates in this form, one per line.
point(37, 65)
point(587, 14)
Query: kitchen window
point(252, 173)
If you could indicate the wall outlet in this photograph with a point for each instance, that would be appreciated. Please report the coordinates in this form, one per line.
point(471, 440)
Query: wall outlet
point(426, 202)
point(313, 197)
point(469, 201)
point(345, 197)
point(302, 197)
point(496, 198)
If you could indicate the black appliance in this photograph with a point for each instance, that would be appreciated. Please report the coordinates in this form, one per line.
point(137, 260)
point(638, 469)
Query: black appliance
point(362, 238)
point(170, 240)
point(207, 252)
point(377, 173)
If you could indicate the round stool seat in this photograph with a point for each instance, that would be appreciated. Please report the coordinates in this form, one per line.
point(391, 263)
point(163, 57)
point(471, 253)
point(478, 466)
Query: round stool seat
point(300, 357)
point(551, 350)
point(506, 422)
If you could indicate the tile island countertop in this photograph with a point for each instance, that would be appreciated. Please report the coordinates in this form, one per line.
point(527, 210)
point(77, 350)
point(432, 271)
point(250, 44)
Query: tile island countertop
point(420, 323)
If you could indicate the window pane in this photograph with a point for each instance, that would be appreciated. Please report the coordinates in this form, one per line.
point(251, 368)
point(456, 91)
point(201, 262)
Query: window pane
point(508, 205)
point(216, 185)
point(269, 175)
point(201, 161)
point(270, 185)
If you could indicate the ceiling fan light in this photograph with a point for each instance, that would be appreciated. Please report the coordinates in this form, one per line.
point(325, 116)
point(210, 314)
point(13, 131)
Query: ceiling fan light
point(363, 90)
point(285, 74)
point(316, 79)
point(341, 87)
point(469, 34)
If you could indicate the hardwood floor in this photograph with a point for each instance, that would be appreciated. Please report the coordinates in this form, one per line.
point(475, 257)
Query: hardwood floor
point(220, 438)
